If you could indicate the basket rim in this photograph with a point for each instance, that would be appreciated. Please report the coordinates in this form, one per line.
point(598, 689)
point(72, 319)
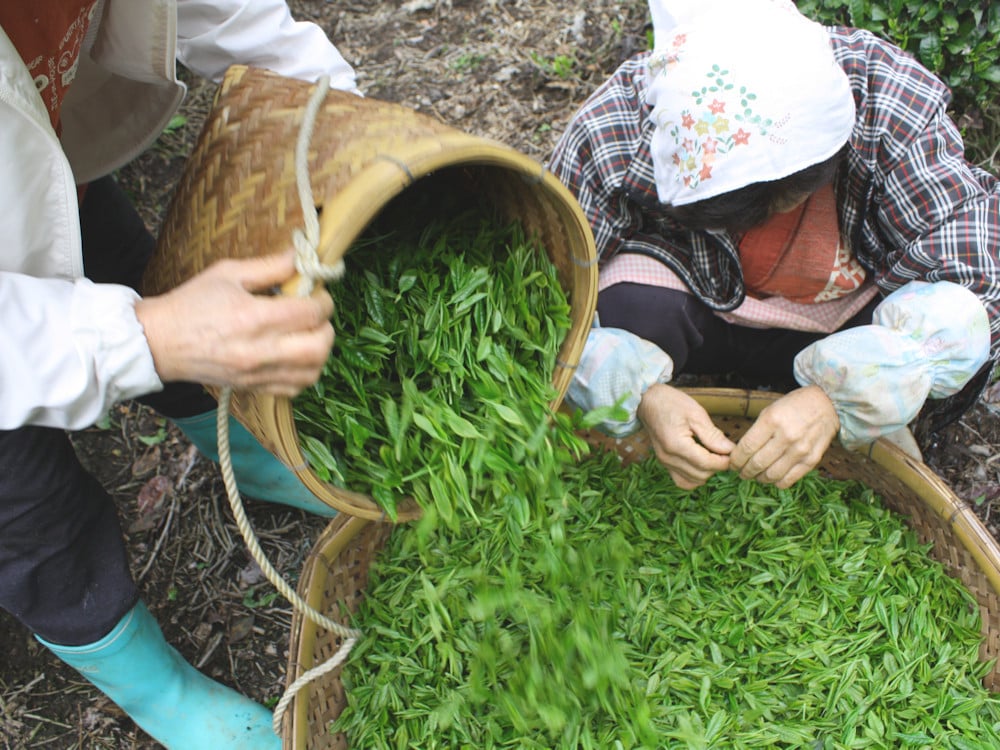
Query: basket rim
point(363, 203)
point(368, 195)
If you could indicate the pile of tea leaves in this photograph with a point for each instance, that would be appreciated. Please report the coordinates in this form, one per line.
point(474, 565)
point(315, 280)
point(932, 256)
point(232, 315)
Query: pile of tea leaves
point(634, 614)
point(439, 386)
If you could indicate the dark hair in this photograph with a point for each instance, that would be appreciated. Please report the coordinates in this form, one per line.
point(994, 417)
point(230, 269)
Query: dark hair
point(750, 206)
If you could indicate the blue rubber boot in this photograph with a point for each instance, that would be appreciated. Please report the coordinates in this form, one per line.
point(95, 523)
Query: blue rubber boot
point(172, 701)
point(259, 474)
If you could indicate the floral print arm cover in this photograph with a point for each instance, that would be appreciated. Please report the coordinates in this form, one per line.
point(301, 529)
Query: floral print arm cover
point(616, 367)
point(926, 340)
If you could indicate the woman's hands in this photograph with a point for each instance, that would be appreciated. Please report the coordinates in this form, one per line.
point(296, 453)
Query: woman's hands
point(786, 441)
point(217, 329)
point(684, 436)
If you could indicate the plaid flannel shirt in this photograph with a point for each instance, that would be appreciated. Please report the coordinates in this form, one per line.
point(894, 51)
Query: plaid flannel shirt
point(910, 205)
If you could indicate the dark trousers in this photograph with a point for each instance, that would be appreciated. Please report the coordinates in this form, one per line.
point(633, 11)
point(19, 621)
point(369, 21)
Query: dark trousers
point(64, 569)
point(701, 343)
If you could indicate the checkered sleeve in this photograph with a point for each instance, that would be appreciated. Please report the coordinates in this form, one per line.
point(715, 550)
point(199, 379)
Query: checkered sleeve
point(595, 153)
point(927, 213)
point(940, 218)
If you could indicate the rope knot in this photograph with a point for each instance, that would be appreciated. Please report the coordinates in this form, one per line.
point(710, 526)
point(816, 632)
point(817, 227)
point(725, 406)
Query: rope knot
point(308, 264)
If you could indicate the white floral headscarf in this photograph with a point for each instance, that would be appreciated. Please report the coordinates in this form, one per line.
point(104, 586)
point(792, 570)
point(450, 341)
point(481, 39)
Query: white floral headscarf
point(741, 91)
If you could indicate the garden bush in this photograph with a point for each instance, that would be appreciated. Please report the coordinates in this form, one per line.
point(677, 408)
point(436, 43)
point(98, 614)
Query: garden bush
point(956, 39)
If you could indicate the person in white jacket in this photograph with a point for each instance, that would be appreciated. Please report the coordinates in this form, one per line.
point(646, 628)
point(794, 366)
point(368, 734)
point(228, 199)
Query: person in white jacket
point(85, 86)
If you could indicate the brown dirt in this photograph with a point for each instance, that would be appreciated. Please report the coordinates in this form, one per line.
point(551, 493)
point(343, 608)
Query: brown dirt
point(514, 71)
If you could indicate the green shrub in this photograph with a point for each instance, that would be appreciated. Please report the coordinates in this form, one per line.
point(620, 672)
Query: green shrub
point(959, 40)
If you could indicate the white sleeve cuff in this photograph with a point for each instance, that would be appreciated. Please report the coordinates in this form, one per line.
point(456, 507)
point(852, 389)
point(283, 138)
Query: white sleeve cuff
point(72, 349)
point(109, 336)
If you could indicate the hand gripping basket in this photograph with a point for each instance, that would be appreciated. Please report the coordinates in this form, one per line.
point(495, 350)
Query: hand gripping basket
point(336, 571)
point(238, 198)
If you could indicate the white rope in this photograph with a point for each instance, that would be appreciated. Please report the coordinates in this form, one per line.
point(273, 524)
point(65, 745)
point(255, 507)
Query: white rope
point(311, 270)
point(306, 240)
point(349, 635)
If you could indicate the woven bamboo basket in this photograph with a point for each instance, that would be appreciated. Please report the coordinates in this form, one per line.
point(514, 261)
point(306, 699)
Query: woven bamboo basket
point(238, 198)
point(336, 572)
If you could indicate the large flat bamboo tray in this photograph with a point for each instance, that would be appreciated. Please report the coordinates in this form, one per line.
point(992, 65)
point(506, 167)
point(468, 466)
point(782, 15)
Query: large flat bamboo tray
point(337, 569)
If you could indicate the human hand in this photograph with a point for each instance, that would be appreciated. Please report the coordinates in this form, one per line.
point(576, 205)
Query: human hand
point(686, 440)
point(218, 329)
point(788, 439)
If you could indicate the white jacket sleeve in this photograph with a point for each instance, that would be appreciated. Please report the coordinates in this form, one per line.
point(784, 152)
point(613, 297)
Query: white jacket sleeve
point(211, 36)
point(45, 381)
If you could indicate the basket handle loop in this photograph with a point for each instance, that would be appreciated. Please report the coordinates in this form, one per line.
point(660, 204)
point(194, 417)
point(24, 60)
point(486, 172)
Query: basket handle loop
point(308, 239)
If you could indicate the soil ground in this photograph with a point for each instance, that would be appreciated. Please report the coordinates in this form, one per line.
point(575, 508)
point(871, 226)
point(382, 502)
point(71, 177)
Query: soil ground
point(512, 70)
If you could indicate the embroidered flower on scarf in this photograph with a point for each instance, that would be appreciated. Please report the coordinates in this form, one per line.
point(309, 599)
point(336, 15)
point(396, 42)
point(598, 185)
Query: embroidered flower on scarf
point(721, 120)
point(663, 61)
